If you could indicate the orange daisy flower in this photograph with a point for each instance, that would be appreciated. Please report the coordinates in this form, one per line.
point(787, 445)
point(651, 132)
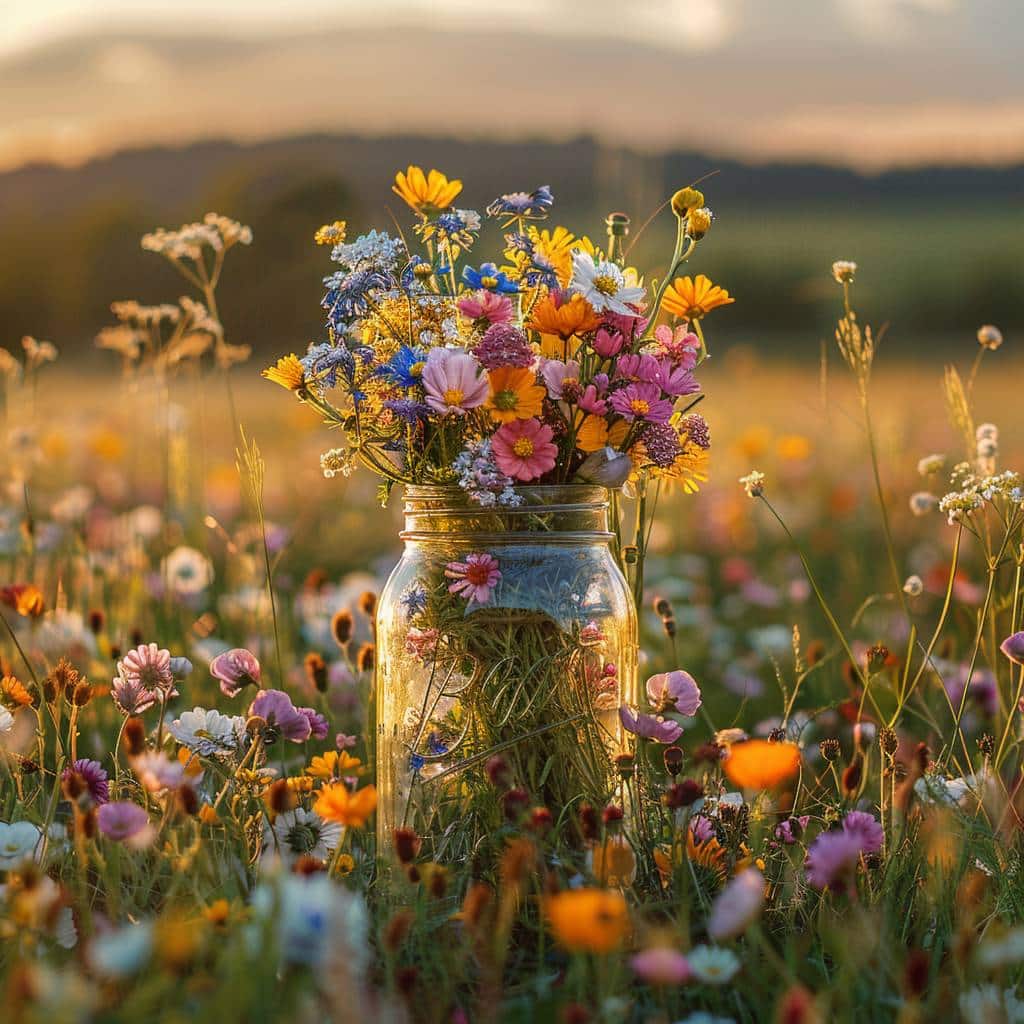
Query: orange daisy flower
point(515, 394)
point(25, 598)
point(564, 317)
point(594, 433)
point(13, 692)
point(337, 803)
point(588, 920)
point(426, 193)
point(760, 764)
point(691, 299)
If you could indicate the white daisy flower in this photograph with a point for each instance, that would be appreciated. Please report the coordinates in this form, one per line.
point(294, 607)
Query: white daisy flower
point(713, 965)
point(300, 833)
point(208, 732)
point(604, 285)
point(187, 571)
point(19, 841)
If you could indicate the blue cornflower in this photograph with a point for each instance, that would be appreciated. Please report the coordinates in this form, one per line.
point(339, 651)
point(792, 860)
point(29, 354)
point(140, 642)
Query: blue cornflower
point(405, 367)
point(528, 205)
point(516, 241)
point(416, 762)
point(414, 600)
point(348, 295)
point(322, 363)
point(490, 278)
point(435, 745)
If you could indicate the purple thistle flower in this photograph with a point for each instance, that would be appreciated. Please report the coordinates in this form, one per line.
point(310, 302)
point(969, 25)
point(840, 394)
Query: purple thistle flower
point(503, 345)
point(93, 775)
point(866, 829)
point(832, 859)
point(275, 707)
point(696, 429)
point(234, 670)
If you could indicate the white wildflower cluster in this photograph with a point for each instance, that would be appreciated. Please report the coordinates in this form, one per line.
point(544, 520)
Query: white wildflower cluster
point(931, 464)
point(844, 271)
point(481, 479)
point(215, 231)
point(973, 490)
point(753, 483)
point(375, 250)
point(335, 461)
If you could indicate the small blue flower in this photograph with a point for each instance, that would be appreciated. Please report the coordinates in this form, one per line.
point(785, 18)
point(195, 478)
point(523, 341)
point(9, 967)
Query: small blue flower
point(490, 278)
point(416, 763)
point(407, 409)
point(528, 205)
point(414, 600)
point(348, 295)
point(322, 363)
point(405, 367)
point(435, 745)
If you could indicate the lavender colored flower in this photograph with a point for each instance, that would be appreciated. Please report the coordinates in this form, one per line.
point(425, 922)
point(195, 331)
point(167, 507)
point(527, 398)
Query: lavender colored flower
point(983, 689)
point(93, 774)
point(275, 707)
point(322, 363)
point(234, 670)
point(787, 834)
point(832, 859)
point(701, 828)
point(121, 820)
point(131, 697)
point(318, 725)
point(414, 600)
point(866, 828)
point(642, 401)
point(503, 345)
point(1013, 648)
point(650, 727)
point(408, 409)
point(675, 691)
point(348, 295)
point(480, 477)
point(528, 205)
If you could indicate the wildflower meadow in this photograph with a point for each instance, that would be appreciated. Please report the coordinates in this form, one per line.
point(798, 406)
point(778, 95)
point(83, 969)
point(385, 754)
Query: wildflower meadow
point(509, 654)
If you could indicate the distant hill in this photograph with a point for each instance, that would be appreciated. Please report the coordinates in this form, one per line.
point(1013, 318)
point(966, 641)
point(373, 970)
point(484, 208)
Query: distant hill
point(69, 236)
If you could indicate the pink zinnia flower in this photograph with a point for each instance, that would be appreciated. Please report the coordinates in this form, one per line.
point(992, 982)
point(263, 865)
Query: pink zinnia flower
point(680, 345)
point(674, 691)
point(93, 774)
point(661, 965)
point(475, 578)
point(642, 401)
point(832, 859)
point(557, 375)
point(148, 665)
point(275, 707)
point(737, 906)
point(486, 307)
point(123, 820)
point(523, 449)
point(453, 382)
point(650, 727)
point(234, 670)
point(866, 828)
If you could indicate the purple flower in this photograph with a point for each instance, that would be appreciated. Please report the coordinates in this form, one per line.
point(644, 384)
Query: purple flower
point(503, 345)
point(866, 829)
point(650, 727)
point(1013, 648)
point(983, 690)
point(701, 829)
point(275, 707)
point(317, 723)
point(131, 697)
point(676, 691)
point(122, 820)
point(784, 830)
point(149, 666)
point(675, 380)
point(832, 859)
point(344, 742)
point(93, 775)
point(642, 401)
point(235, 670)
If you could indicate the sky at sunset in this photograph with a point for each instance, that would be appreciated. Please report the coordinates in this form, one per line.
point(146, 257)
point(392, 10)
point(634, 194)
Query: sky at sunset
point(867, 83)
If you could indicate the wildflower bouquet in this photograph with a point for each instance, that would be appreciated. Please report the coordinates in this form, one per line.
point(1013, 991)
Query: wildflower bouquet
point(546, 365)
point(508, 396)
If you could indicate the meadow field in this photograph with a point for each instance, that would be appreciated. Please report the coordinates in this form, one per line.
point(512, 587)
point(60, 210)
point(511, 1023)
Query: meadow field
point(835, 836)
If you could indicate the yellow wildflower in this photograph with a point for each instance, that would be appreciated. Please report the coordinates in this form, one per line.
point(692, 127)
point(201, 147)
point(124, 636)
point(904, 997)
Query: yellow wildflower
point(426, 193)
point(288, 372)
point(331, 234)
point(691, 299)
point(337, 803)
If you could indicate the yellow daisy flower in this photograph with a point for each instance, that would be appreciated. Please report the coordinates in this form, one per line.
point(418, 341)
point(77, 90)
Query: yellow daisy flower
point(691, 299)
point(288, 372)
point(426, 193)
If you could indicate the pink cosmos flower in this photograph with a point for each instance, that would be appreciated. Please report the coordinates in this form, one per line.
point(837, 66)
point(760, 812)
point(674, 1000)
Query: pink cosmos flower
point(275, 707)
point(557, 375)
point(93, 774)
point(131, 697)
point(474, 578)
point(592, 400)
point(453, 382)
point(486, 307)
point(737, 906)
point(866, 828)
point(149, 666)
point(156, 771)
point(642, 401)
point(123, 820)
point(234, 670)
point(661, 965)
point(637, 367)
point(523, 449)
point(674, 691)
point(607, 345)
point(832, 859)
point(345, 742)
point(675, 380)
point(650, 727)
point(680, 345)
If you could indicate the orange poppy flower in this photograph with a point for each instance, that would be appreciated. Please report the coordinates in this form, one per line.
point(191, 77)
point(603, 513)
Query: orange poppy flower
point(588, 920)
point(760, 764)
point(426, 193)
point(337, 803)
point(25, 598)
point(515, 394)
point(691, 299)
point(564, 318)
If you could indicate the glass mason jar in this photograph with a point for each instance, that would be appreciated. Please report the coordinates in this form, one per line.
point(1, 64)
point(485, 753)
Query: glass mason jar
point(505, 632)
